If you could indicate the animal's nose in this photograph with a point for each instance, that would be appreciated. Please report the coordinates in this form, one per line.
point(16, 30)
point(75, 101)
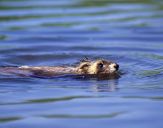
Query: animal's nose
point(116, 66)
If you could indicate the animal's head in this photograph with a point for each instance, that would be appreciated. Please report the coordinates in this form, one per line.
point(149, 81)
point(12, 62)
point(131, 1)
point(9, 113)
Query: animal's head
point(98, 67)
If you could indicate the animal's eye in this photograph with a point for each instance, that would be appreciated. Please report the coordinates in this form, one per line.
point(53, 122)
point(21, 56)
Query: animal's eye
point(101, 65)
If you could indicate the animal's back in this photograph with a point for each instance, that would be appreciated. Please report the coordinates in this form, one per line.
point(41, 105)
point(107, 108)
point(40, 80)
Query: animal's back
point(36, 71)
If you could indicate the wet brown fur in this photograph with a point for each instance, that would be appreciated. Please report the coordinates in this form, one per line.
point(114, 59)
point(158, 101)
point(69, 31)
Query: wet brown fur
point(98, 67)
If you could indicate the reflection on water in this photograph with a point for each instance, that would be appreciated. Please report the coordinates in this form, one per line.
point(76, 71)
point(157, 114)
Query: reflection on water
point(110, 85)
point(61, 33)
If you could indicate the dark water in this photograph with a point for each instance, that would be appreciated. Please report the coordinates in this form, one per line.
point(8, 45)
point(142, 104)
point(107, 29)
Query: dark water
point(40, 32)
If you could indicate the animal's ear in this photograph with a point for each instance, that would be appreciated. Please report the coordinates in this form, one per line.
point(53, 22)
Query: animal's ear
point(83, 67)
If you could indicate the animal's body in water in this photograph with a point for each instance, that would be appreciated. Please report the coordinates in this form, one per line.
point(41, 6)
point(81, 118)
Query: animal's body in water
point(101, 69)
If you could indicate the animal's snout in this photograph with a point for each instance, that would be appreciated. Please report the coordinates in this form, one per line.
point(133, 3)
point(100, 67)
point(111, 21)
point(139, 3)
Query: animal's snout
point(116, 66)
point(113, 67)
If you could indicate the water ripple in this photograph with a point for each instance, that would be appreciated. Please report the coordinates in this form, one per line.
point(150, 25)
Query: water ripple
point(99, 116)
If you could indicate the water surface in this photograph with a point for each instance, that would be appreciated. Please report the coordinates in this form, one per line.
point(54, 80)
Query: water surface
point(62, 32)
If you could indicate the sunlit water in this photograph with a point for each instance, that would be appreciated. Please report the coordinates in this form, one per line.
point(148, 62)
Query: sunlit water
point(64, 31)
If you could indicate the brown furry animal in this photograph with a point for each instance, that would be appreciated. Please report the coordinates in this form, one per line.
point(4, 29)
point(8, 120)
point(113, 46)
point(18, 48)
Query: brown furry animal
point(98, 68)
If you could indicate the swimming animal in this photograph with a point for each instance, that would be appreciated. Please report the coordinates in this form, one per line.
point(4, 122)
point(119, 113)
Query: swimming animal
point(99, 68)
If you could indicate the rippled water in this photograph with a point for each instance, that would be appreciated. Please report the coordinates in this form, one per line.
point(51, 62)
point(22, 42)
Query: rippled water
point(62, 32)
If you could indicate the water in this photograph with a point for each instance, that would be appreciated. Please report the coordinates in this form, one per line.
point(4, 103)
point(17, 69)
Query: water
point(62, 32)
